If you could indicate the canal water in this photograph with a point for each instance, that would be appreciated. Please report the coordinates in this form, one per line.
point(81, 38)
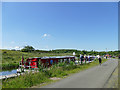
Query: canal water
point(8, 72)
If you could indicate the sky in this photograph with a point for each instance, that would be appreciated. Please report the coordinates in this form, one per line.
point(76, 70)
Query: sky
point(60, 25)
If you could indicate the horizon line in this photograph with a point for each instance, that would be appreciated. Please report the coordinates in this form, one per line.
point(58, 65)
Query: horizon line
point(66, 49)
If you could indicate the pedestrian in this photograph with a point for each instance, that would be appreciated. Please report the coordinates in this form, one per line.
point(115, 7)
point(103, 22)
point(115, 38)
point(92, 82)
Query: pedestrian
point(106, 56)
point(85, 57)
point(51, 61)
point(89, 58)
point(100, 60)
point(82, 58)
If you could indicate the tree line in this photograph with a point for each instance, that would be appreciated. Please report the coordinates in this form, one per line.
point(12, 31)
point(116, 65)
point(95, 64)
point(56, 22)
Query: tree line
point(83, 52)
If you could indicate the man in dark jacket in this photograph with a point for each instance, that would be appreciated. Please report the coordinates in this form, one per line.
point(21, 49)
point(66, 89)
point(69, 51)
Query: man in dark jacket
point(82, 58)
point(100, 60)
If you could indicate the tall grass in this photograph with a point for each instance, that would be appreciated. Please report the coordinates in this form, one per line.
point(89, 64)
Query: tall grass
point(24, 81)
point(55, 71)
point(9, 66)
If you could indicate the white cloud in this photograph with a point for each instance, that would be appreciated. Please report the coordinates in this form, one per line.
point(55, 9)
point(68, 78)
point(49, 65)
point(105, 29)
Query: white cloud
point(6, 47)
point(17, 47)
point(46, 35)
point(10, 48)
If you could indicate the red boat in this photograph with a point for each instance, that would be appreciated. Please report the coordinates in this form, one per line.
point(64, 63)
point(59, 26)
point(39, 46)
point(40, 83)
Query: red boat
point(35, 62)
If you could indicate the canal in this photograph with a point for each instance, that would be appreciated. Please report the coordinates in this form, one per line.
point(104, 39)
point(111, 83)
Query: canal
point(8, 72)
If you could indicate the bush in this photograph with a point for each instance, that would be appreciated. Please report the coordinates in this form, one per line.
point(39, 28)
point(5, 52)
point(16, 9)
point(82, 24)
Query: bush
point(4, 52)
point(55, 71)
point(61, 64)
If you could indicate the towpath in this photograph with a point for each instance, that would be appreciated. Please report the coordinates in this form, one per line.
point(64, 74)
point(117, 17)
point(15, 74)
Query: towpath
point(95, 77)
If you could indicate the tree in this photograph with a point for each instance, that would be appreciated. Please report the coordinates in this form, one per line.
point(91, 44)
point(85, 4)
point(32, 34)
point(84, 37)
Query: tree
point(27, 49)
point(84, 52)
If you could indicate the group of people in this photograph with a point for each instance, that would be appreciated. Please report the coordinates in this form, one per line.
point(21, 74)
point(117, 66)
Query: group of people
point(87, 58)
point(84, 57)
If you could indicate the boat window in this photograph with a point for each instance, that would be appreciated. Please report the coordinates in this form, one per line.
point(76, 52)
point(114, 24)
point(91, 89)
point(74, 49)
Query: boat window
point(60, 60)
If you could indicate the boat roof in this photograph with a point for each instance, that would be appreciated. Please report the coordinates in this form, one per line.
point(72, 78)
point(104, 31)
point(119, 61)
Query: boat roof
point(34, 57)
point(57, 57)
point(51, 57)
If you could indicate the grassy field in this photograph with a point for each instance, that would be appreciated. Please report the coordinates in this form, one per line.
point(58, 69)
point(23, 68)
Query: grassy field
point(10, 59)
point(35, 79)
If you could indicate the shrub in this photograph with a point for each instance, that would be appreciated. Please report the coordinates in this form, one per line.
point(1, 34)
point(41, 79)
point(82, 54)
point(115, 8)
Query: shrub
point(4, 52)
point(55, 71)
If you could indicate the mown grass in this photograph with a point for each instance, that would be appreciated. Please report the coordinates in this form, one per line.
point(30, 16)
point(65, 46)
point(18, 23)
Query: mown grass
point(59, 70)
point(10, 59)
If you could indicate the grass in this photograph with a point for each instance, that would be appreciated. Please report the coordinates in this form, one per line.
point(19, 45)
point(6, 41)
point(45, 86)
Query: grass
point(9, 66)
point(33, 79)
point(25, 81)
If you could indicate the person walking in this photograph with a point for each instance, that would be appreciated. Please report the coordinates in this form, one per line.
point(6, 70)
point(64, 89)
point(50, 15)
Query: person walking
point(82, 58)
point(100, 60)
point(89, 58)
point(106, 56)
point(86, 58)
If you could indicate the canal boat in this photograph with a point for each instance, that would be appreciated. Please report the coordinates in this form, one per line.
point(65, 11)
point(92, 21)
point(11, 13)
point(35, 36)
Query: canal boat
point(34, 62)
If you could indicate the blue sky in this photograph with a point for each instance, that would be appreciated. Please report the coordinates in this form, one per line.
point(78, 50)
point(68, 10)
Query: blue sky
point(62, 25)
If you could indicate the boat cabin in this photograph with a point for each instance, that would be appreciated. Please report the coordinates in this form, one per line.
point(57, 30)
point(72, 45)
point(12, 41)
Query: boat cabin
point(45, 61)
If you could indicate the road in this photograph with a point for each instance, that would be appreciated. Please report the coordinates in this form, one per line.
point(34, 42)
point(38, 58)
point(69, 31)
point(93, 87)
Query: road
point(95, 77)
